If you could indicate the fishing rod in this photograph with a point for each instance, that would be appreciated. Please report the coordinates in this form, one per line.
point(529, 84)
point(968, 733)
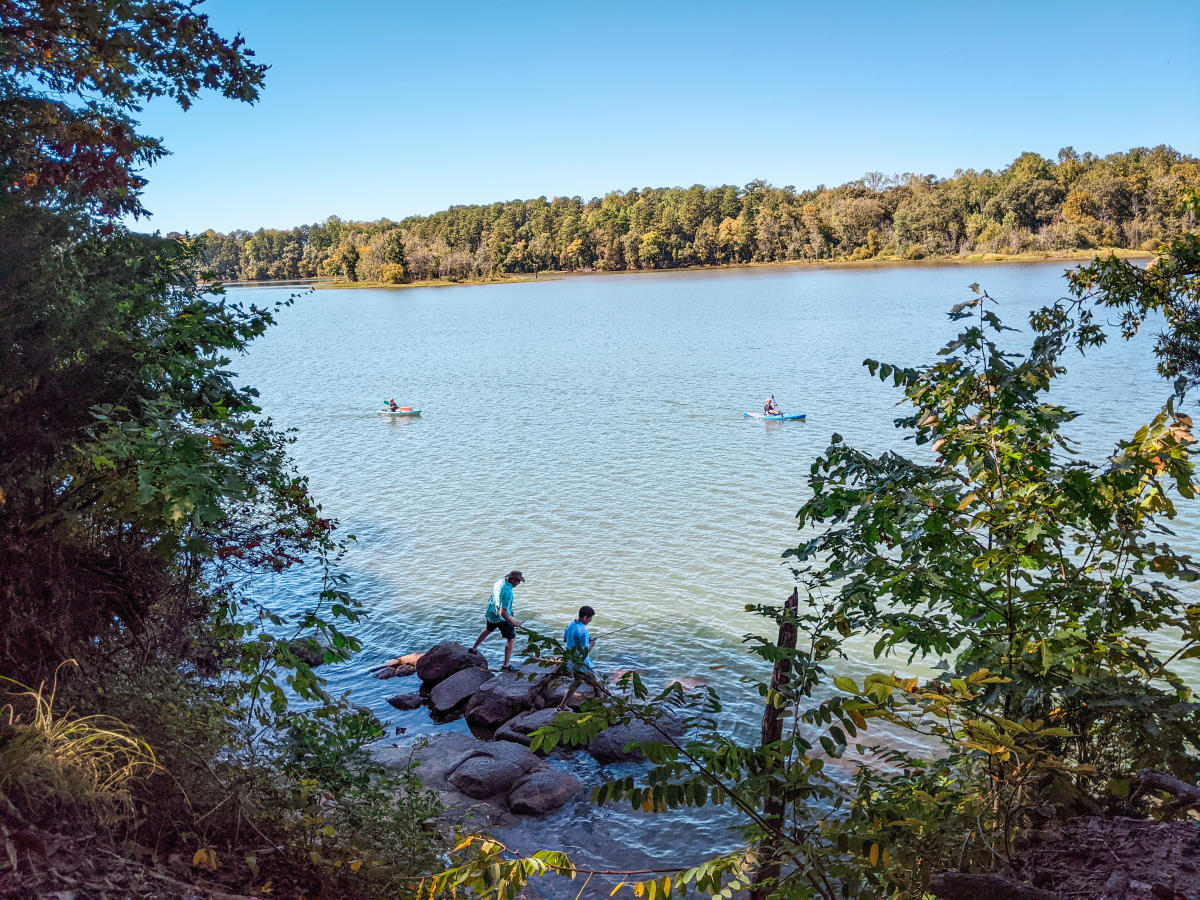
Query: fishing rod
point(635, 625)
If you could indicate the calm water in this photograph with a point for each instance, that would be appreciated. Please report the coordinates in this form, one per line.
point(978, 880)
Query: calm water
point(589, 432)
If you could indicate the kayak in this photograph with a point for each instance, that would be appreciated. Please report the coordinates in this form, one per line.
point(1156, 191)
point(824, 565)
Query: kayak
point(400, 412)
point(773, 418)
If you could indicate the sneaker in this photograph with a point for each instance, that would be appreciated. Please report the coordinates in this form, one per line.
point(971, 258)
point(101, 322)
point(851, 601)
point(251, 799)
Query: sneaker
point(508, 668)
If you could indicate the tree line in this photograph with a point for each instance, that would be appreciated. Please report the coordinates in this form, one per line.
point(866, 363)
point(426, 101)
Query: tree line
point(1075, 202)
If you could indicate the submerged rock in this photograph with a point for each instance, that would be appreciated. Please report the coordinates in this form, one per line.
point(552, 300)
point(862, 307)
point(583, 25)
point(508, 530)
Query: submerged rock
point(406, 701)
point(609, 745)
point(445, 659)
point(309, 651)
point(397, 671)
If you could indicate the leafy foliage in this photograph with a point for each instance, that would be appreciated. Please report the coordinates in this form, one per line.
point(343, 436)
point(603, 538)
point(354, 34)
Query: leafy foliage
point(1168, 288)
point(143, 496)
point(74, 72)
point(1007, 554)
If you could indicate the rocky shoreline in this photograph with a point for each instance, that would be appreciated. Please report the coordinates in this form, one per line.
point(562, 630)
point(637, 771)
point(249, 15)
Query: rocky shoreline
point(490, 775)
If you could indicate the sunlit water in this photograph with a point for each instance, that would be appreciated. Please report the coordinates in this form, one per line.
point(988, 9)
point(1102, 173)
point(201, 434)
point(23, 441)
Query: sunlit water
point(589, 432)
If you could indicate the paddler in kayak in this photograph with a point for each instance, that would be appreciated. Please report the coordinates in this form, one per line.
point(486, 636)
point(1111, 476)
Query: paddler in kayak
point(393, 406)
point(770, 408)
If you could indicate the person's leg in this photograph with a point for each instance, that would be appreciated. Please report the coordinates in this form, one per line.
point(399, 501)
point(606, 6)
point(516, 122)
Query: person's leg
point(479, 640)
point(508, 647)
point(566, 700)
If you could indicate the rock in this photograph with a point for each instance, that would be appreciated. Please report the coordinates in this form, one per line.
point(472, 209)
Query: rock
point(464, 770)
point(384, 673)
point(457, 688)
point(406, 701)
point(552, 692)
point(309, 651)
point(404, 670)
point(609, 745)
point(543, 791)
point(445, 659)
point(494, 770)
point(410, 659)
point(518, 728)
point(437, 758)
point(498, 700)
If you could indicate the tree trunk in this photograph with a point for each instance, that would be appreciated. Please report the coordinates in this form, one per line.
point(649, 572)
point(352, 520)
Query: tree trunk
point(774, 809)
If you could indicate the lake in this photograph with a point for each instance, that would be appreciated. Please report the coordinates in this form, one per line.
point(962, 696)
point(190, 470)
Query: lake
point(589, 431)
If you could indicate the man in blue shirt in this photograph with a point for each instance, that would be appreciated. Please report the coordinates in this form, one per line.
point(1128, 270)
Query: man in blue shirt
point(579, 646)
point(499, 615)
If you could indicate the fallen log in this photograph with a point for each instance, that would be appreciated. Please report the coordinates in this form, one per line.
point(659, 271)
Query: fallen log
point(1150, 780)
point(967, 886)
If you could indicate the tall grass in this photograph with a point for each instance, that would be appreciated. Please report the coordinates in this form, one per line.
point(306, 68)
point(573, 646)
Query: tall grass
point(53, 763)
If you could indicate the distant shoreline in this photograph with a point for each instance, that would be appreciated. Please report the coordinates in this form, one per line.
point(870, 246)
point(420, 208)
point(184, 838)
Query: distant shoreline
point(874, 263)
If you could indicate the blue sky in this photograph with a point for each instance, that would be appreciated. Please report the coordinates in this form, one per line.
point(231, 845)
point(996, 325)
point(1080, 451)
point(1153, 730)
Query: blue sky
point(376, 108)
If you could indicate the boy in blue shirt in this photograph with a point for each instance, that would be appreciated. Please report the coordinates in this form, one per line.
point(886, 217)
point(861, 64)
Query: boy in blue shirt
point(499, 615)
point(579, 646)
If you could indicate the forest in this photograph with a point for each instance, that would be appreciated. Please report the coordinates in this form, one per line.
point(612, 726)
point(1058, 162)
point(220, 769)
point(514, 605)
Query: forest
point(1035, 205)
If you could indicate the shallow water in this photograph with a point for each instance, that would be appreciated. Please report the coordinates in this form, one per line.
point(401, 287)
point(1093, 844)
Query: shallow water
point(589, 431)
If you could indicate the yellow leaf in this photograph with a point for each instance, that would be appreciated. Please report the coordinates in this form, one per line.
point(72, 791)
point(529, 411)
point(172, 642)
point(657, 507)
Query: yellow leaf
point(205, 858)
point(874, 855)
point(887, 857)
point(967, 501)
point(355, 865)
point(620, 884)
point(639, 890)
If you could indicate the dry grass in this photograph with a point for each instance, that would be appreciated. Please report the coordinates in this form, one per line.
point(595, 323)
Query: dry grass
point(52, 763)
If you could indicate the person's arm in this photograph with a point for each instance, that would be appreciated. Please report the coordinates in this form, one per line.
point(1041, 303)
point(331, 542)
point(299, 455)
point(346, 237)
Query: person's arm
point(506, 608)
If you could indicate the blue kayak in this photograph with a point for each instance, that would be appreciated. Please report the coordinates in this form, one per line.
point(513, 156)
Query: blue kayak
point(400, 412)
point(773, 418)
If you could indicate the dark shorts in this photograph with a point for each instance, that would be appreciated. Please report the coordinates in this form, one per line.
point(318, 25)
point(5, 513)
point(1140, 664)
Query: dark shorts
point(506, 629)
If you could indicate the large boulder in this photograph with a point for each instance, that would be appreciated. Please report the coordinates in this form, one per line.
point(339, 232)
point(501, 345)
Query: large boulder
point(518, 728)
point(464, 770)
point(449, 693)
point(498, 700)
point(543, 791)
point(443, 660)
point(609, 745)
point(552, 691)
point(493, 770)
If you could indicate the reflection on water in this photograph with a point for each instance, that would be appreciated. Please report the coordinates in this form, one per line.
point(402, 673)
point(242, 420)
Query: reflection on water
point(589, 432)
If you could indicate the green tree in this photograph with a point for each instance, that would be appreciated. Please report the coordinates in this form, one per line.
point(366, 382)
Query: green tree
point(1169, 287)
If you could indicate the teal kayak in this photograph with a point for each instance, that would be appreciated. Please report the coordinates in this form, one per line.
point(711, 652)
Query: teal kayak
point(400, 412)
point(773, 418)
